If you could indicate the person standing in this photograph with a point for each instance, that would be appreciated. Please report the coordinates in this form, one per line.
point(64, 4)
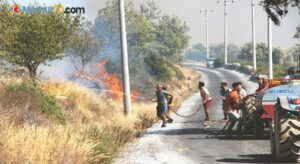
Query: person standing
point(169, 104)
point(206, 98)
point(292, 73)
point(263, 83)
point(162, 106)
point(224, 92)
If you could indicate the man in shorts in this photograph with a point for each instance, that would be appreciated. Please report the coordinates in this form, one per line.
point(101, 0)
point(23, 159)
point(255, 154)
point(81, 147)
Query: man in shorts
point(162, 104)
point(206, 98)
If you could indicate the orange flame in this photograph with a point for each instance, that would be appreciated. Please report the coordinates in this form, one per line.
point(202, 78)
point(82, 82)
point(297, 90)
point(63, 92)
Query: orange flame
point(111, 82)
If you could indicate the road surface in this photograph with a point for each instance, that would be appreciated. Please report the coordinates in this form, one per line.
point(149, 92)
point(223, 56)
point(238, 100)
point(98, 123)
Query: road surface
point(188, 141)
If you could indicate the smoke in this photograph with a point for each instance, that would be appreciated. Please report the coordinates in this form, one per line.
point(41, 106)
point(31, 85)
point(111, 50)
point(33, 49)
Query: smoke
point(60, 70)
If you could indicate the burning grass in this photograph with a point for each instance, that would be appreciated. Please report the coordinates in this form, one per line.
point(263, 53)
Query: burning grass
point(94, 126)
point(94, 130)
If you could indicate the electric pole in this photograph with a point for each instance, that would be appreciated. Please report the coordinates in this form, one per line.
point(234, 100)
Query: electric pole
point(270, 48)
point(253, 35)
point(126, 83)
point(225, 3)
point(205, 12)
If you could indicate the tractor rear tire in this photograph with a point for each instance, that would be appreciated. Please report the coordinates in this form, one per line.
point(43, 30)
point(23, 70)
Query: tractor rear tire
point(248, 115)
point(272, 139)
point(287, 138)
point(258, 124)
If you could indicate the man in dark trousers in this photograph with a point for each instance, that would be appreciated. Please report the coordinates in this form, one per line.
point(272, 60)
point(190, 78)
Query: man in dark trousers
point(224, 92)
point(231, 104)
point(169, 102)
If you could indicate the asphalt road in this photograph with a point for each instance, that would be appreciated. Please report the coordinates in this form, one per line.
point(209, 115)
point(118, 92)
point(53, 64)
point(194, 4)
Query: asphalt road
point(188, 141)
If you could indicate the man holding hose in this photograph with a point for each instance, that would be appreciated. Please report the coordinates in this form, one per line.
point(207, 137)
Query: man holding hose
point(206, 98)
point(162, 104)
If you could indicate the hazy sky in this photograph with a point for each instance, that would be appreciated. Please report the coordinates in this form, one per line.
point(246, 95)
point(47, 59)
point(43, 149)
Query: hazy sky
point(239, 19)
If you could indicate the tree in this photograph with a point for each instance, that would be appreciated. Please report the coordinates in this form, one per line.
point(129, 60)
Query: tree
point(278, 9)
point(148, 32)
point(197, 52)
point(172, 34)
point(233, 52)
point(86, 49)
point(261, 53)
point(297, 35)
point(295, 53)
point(151, 11)
point(278, 55)
point(216, 50)
point(35, 39)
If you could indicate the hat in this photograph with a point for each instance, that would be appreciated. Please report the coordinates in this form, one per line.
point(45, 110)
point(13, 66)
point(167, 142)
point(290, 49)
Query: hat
point(260, 76)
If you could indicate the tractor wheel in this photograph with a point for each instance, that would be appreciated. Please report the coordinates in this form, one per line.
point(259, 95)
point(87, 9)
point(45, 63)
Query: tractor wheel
point(248, 114)
point(272, 139)
point(287, 137)
point(258, 124)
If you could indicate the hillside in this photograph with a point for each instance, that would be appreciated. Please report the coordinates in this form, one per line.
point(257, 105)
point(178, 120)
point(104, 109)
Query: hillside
point(54, 122)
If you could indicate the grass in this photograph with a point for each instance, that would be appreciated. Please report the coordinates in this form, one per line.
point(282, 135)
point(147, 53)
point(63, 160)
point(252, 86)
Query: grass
point(94, 128)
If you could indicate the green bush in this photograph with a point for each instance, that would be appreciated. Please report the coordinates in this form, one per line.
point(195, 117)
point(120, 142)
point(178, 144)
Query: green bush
point(163, 69)
point(279, 71)
point(219, 62)
point(40, 100)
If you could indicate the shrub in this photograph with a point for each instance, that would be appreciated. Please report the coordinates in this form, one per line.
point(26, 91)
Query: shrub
point(163, 69)
point(219, 62)
point(279, 71)
point(30, 92)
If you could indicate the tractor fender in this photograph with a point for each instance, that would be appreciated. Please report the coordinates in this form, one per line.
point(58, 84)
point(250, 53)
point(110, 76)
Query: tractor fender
point(270, 97)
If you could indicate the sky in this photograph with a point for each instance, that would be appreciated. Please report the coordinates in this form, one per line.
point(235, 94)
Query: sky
point(239, 19)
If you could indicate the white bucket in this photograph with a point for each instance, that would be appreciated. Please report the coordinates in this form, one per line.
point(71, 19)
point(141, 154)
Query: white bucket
point(233, 116)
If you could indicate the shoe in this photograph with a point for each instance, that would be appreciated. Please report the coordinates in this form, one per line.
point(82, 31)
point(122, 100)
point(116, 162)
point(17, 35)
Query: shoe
point(225, 118)
point(163, 125)
point(170, 120)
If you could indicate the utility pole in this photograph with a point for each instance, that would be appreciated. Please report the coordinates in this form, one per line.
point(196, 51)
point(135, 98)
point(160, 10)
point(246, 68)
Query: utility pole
point(270, 48)
point(253, 35)
point(126, 84)
point(225, 3)
point(205, 12)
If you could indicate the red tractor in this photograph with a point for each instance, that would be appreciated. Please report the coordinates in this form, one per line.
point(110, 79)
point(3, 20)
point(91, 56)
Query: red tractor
point(277, 108)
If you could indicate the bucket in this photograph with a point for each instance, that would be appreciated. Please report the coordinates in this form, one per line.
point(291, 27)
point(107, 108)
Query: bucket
point(233, 116)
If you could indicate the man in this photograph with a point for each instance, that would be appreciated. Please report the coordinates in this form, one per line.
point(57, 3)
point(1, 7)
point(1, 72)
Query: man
point(206, 98)
point(292, 73)
point(231, 104)
point(161, 107)
point(169, 104)
point(263, 83)
point(224, 92)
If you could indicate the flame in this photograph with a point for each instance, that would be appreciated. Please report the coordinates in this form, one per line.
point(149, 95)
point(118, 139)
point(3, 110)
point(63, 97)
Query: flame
point(111, 82)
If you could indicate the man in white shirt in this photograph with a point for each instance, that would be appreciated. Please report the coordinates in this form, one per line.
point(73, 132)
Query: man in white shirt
point(206, 98)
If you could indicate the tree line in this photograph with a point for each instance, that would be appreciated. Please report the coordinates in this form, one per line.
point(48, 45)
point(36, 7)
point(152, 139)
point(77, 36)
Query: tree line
point(243, 54)
point(30, 40)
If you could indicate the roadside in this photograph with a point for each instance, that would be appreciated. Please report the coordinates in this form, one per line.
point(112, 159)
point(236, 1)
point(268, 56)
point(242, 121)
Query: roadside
point(188, 141)
point(63, 122)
